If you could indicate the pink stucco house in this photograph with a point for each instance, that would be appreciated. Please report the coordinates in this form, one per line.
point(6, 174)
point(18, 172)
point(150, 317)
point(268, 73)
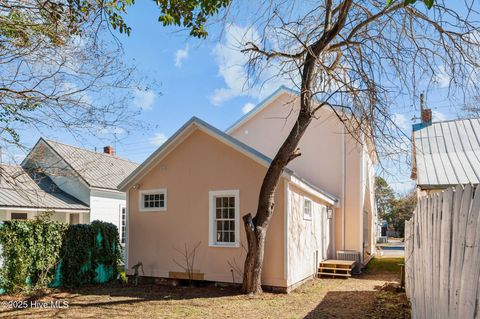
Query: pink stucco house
point(195, 188)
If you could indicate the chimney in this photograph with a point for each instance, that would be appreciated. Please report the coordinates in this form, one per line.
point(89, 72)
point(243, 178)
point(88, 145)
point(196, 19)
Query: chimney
point(425, 114)
point(109, 150)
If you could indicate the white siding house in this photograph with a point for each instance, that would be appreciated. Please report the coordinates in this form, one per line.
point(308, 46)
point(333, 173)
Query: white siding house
point(90, 178)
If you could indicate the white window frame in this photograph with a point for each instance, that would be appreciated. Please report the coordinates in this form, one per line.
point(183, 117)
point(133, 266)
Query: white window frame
point(306, 216)
point(212, 219)
point(123, 239)
point(16, 212)
point(150, 192)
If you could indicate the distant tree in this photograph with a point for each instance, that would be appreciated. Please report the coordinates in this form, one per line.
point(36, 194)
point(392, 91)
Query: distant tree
point(403, 208)
point(385, 199)
point(58, 70)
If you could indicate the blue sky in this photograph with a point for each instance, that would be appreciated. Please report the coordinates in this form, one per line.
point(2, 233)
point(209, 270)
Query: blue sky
point(204, 78)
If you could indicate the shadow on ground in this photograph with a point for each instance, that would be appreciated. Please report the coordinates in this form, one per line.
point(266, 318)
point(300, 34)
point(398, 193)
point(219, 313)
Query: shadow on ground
point(385, 301)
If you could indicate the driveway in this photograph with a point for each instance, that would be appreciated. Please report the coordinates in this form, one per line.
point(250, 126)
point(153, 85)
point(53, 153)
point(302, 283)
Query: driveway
point(395, 248)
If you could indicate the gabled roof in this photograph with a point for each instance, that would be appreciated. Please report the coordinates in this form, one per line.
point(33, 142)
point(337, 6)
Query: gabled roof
point(194, 124)
point(446, 153)
point(97, 170)
point(22, 188)
point(281, 90)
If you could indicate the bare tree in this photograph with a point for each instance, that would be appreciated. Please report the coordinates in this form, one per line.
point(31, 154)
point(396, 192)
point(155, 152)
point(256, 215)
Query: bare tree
point(60, 70)
point(354, 57)
point(188, 256)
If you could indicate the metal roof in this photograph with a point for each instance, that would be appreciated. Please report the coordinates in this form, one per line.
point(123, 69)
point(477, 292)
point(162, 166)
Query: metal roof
point(447, 153)
point(21, 188)
point(98, 170)
point(219, 135)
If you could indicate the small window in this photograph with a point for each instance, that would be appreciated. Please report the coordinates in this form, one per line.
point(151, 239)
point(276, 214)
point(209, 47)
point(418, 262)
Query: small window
point(153, 200)
point(123, 225)
point(19, 216)
point(307, 208)
point(224, 218)
point(74, 219)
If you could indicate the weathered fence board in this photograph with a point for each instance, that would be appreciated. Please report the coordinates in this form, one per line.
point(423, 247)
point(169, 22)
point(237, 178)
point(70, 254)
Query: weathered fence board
point(442, 255)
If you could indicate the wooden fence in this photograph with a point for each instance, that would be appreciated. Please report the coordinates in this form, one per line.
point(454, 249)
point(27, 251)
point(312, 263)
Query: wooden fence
point(442, 255)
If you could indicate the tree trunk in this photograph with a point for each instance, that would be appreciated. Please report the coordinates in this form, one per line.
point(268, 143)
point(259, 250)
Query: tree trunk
point(256, 227)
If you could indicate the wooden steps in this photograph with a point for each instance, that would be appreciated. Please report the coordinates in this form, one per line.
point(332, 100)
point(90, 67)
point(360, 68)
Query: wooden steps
point(336, 268)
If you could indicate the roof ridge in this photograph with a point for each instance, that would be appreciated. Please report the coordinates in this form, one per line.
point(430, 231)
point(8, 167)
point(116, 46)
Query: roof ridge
point(90, 151)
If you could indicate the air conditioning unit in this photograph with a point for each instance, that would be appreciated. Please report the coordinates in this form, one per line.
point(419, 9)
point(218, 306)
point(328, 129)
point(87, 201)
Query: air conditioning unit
point(351, 255)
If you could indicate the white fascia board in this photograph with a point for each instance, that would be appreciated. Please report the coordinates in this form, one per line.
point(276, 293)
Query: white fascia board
point(301, 184)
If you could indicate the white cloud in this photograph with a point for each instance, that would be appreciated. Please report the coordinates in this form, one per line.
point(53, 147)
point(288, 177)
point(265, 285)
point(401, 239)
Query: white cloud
point(438, 116)
point(111, 130)
point(401, 121)
point(158, 139)
point(144, 99)
point(403, 187)
point(181, 55)
point(232, 68)
point(442, 78)
point(247, 107)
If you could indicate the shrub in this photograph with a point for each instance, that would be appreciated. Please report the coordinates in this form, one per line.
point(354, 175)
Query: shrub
point(42, 253)
point(30, 253)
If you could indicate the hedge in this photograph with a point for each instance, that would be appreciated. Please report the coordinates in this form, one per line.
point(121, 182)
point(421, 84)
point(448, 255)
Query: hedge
point(41, 253)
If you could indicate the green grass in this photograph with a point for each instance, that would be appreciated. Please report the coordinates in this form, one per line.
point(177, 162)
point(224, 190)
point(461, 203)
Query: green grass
point(390, 265)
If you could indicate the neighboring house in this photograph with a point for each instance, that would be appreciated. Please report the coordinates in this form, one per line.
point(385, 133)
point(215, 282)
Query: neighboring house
point(195, 188)
point(89, 177)
point(445, 153)
point(25, 194)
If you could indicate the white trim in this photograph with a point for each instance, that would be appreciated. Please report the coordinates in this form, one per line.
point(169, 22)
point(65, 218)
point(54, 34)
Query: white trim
point(107, 190)
point(304, 186)
point(306, 217)
point(121, 207)
point(142, 192)
point(285, 240)
point(211, 217)
point(362, 198)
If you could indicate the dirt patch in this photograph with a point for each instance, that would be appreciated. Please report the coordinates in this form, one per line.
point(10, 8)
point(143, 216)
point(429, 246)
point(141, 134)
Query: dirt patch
point(364, 296)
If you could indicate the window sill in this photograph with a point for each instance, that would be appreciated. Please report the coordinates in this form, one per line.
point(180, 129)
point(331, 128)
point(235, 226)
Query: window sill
point(307, 218)
point(154, 210)
point(232, 245)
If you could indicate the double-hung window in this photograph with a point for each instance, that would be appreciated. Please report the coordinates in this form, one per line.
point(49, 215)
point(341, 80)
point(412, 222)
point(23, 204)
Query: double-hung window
point(153, 200)
point(224, 218)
